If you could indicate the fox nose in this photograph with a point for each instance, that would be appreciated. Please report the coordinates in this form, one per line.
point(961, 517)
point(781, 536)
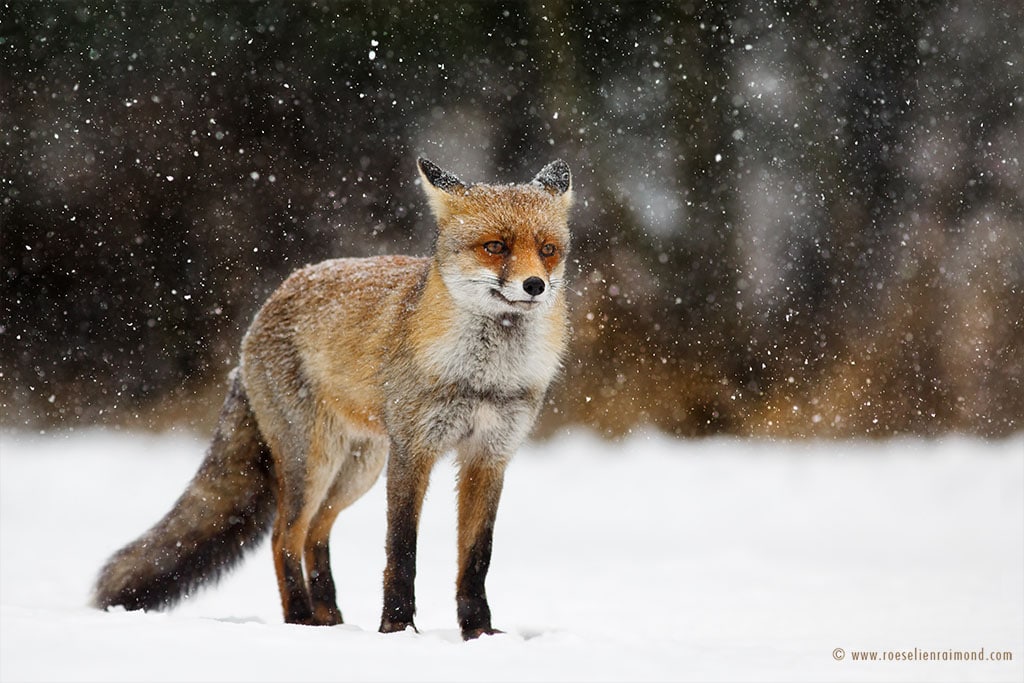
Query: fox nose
point(533, 285)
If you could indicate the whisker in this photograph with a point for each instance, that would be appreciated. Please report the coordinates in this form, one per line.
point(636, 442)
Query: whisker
point(493, 281)
point(559, 282)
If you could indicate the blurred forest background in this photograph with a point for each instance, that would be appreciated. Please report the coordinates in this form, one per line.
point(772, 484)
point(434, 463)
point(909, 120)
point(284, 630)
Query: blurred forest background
point(793, 218)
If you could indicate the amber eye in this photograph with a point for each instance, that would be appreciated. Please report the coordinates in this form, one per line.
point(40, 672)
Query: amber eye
point(548, 249)
point(495, 247)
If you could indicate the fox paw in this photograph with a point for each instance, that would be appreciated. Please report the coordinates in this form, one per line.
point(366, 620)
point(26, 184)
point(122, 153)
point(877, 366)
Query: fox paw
point(474, 633)
point(325, 616)
point(397, 626)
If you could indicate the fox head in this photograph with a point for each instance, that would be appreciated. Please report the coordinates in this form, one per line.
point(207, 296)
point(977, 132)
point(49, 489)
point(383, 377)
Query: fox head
point(501, 248)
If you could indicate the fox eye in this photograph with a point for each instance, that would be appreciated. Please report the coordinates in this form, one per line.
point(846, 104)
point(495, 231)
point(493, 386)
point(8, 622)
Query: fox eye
point(548, 249)
point(495, 247)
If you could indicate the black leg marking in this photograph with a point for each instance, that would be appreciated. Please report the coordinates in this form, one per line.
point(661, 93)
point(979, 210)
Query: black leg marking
point(407, 484)
point(400, 574)
point(322, 592)
point(471, 596)
point(297, 607)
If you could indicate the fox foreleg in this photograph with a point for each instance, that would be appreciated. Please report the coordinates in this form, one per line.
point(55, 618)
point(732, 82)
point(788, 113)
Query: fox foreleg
point(407, 478)
point(480, 483)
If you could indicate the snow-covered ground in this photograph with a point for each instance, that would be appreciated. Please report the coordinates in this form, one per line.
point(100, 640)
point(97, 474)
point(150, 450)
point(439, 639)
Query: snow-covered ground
point(648, 559)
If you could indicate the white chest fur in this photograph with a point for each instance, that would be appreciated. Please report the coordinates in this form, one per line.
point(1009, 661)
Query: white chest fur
point(506, 354)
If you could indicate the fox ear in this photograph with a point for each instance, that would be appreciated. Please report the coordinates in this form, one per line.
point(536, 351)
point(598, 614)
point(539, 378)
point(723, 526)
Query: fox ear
point(556, 179)
point(439, 185)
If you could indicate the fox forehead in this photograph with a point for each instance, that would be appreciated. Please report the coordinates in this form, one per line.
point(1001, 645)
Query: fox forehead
point(509, 211)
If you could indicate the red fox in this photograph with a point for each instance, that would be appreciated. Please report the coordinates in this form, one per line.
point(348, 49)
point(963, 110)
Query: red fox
point(354, 362)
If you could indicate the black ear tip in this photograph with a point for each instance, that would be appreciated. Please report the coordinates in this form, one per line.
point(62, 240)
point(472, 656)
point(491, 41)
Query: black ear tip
point(555, 177)
point(438, 177)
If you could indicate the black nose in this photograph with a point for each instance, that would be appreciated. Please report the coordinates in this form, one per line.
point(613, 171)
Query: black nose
point(533, 285)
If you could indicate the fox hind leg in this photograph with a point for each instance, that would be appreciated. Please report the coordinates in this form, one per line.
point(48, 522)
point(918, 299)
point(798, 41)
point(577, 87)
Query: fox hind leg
point(287, 542)
point(361, 467)
point(305, 475)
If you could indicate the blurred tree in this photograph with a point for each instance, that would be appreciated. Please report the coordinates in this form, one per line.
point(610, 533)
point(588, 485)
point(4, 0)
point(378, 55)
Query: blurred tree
point(792, 218)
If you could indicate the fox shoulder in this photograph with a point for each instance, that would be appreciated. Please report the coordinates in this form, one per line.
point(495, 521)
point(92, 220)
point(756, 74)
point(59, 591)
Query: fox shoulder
point(359, 299)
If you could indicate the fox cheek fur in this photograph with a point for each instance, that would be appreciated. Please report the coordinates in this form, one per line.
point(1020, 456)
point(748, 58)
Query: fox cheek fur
point(354, 365)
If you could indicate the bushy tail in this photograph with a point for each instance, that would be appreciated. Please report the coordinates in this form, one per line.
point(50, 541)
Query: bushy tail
point(226, 509)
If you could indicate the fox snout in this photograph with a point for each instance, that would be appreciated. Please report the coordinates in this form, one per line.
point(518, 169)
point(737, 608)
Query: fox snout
point(534, 286)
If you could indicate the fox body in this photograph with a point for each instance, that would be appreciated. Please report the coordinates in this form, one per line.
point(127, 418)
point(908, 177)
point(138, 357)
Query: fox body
point(354, 364)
